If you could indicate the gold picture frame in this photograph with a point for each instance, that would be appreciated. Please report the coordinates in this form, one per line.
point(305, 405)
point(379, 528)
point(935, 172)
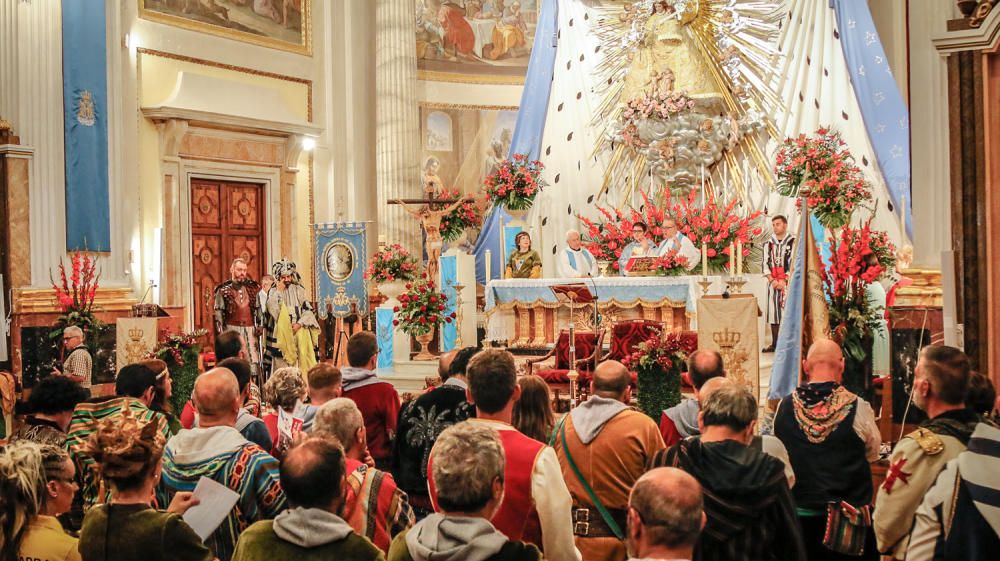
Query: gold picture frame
point(168, 12)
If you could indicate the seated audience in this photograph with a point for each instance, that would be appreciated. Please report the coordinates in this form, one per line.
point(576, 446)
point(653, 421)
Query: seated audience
point(940, 386)
point(127, 451)
point(750, 510)
point(681, 420)
point(665, 516)
point(312, 475)
point(37, 484)
point(284, 392)
point(50, 409)
point(252, 428)
point(603, 447)
point(164, 391)
point(468, 467)
point(422, 420)
point(218, 451)
point(536, 506)
point(325, 383)
point(533, 414)
point(229, 344)
point(375, 507)
point(377, 399)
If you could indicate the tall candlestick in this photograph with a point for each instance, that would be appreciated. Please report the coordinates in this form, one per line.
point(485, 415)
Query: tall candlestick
point(739, 258)
point(488, 262)
point(732, 259)
point(704, 260)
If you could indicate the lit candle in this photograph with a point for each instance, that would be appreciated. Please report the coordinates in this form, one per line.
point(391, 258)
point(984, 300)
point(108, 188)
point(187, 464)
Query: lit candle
point(488, 258)
point(739, 258)
point(704, 260)
point(732, 259)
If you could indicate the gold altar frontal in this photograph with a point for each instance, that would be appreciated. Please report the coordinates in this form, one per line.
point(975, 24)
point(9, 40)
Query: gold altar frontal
point(537, 324)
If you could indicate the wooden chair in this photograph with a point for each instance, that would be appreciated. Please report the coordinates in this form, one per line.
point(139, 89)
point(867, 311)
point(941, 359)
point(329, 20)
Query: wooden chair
point(557, 377)
point(626, 335)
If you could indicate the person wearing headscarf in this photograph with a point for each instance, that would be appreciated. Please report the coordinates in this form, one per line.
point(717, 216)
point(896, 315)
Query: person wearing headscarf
point(290, 321)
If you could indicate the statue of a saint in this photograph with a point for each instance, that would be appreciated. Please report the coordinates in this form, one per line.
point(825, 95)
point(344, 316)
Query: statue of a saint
point(667, 57)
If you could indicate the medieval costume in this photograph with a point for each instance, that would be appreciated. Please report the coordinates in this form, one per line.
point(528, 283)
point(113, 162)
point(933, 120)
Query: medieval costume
point(536, 503)
point(375, 507)
point(831, 436)
point(604, 446)
point(304, 534)
point(577, 263)
point(286, 308)
point(959, 517)
point(138, 532)
point(42, 431)
point(750, 510)
point(236, 310)
point(421, 421)
point(378, 401)
point(225, 456)
point(524, 265)
point(914, 466)
point(777, 261)
point(444, 537)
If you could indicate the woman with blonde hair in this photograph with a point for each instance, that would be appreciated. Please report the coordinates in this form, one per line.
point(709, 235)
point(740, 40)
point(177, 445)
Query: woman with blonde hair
point(284, 391)
point(37, 484)
point(533, 414)
point(128, 452)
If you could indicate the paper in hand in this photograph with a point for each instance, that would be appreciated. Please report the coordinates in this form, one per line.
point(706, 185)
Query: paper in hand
point(215, 502)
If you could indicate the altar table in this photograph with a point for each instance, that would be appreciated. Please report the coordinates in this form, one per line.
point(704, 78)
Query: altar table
point(526, 313)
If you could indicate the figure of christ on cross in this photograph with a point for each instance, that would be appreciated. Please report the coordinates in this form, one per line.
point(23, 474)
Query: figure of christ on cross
point(430, 220)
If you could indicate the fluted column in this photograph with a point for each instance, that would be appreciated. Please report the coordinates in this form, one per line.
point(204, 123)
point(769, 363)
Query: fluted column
point(397, 147)
point(31, 99)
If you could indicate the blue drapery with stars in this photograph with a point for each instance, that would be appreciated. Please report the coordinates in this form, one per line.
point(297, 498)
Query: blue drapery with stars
point(527, 131)
point(886, 117)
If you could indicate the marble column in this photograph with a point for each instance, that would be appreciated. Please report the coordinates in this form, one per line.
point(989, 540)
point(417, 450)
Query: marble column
point(31, 99)
point(397, 129)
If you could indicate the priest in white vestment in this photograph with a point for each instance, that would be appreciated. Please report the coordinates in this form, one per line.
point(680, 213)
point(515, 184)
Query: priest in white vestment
point(576, 261)
point(675, 242)
point(643, 246)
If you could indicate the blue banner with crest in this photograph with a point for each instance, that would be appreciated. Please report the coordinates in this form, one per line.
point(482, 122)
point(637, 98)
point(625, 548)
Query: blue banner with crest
point(341, 258)
point(85, 122)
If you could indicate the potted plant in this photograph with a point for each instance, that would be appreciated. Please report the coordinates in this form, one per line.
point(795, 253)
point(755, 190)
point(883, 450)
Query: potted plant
point(671, 265)
point(421, 308)
point(391, 268)
point(718, 228)
point(515, 184)
point(75, 296)
point(658, 362)
point(822, 169)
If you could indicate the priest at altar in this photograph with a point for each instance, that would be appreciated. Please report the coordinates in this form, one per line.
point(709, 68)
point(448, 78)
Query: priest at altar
point(576, 261)
point(677, 243)
point(643, 246)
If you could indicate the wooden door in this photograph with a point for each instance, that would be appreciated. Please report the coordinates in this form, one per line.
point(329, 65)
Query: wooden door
point(227, 221)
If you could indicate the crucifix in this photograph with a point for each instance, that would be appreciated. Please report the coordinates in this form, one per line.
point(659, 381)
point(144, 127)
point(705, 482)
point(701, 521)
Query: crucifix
point(430, 221)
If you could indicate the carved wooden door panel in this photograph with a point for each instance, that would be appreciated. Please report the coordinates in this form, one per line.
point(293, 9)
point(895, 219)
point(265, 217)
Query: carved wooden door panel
point(227, 221)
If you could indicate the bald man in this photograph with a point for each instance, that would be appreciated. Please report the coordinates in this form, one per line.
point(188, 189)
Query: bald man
point(665, 515)
point(609, 444)
point(576, 261)
point(831, 437)
point(216, 450)
point(681, 420)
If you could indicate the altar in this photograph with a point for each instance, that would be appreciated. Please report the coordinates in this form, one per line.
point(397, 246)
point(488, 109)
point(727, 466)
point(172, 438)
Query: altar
point(528, 314)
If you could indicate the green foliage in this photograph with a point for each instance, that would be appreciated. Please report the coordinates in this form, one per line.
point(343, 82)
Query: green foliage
point(659, 389)
point(182, 376)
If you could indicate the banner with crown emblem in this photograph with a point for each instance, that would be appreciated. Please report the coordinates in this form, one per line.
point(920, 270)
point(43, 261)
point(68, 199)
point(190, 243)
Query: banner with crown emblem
point(341, 258)
point(135, 339)
point(729, 326)
point(85, 119)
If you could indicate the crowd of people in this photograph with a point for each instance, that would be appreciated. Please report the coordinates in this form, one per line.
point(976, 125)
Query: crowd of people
point(329, 464)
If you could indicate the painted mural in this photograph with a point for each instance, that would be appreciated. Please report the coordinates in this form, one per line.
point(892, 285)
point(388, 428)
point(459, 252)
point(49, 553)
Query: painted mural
point(461, 145)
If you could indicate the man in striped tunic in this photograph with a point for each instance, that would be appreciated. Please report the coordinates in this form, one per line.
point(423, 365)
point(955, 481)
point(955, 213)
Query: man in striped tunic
point(777, 260)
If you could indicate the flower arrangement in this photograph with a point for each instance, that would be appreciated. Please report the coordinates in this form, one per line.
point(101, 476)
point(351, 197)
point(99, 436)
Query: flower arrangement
point(180, 352)
point(392, 263)
point(672, 266)
point(657, 362)
point(822, 169)
point(606, 238)
point(469, 214)
point(652, 105)
point(515, 183)
point(422, 308)
point(75, 295)
point(717, 227)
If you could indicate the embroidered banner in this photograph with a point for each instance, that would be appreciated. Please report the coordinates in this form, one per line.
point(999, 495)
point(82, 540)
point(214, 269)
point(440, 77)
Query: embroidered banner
point(85, 120)
point(449, 276)
point(135, 339)
point(383, 333)
point(729, 326)
point(341, 257)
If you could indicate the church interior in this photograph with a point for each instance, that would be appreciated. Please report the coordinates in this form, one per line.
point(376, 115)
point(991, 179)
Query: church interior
point(574, 181)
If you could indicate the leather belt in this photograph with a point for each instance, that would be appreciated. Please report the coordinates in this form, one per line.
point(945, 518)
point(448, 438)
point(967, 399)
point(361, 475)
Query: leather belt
point(588, 522)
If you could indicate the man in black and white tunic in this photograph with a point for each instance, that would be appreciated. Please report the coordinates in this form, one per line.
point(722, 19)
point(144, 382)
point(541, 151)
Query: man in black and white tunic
point(777, 261)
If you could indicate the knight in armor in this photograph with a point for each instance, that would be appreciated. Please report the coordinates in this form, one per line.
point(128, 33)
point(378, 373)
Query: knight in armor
point(237, 309)
point(290, 322)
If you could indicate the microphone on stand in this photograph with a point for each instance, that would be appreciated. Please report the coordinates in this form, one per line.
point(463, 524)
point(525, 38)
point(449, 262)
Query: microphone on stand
point(593, 284)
